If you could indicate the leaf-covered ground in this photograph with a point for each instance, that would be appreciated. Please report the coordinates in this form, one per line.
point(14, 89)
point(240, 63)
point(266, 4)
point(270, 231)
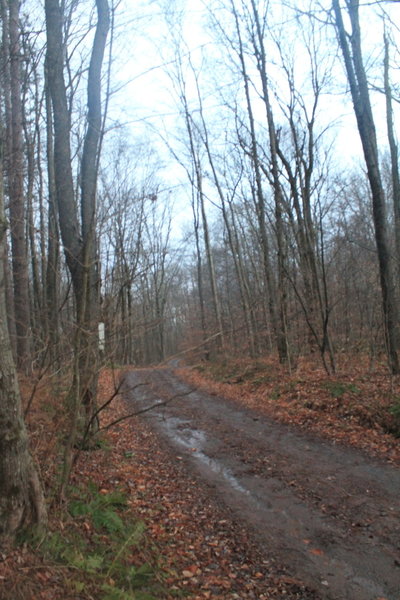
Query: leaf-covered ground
point(357, 406)
point(192, 547)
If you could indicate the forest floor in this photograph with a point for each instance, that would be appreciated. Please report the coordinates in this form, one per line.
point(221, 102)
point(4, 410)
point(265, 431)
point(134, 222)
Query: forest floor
point(359, 406)
point(192, 543)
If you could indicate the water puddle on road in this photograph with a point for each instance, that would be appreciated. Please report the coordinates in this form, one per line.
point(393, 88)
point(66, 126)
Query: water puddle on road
point(194, 440)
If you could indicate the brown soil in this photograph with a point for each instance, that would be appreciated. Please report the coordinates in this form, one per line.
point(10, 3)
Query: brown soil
point(323, 514)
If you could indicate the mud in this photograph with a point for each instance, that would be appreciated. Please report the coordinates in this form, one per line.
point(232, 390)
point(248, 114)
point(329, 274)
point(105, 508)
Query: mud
point(330, 514)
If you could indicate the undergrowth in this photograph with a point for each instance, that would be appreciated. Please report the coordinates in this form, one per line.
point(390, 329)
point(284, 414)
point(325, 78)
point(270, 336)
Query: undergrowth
point(394, 411)
point(102, 548)
point(337, 389)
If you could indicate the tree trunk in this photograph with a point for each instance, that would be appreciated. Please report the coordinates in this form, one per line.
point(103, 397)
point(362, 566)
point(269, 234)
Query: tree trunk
point(394, 154)
point(53, 245)
point(199, 270)
point(88, 304)
point(17, 200)
point(362, 107)
point(283, 341)
point(21, 498)
point(6, 97)
point(201, 204)
point(78, 235)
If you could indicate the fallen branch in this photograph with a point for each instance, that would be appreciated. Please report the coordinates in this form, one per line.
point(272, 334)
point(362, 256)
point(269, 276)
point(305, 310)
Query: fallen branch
point(147, 409)
point(87, 434)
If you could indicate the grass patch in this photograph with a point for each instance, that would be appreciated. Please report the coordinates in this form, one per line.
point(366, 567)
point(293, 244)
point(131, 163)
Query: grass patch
point(393, 424)
point(338, 388)
point(102, 547)
point(275, 394)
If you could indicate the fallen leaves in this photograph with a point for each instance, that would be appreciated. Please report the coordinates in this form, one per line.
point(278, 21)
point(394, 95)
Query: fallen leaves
point(351, 408)
point(191, 571)
point(205, 554)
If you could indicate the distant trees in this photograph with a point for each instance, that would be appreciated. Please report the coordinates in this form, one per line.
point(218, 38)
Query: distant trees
point(277, 179)
point(140, 266)
point(267, 238)
point(255, 144)
point(258, 145)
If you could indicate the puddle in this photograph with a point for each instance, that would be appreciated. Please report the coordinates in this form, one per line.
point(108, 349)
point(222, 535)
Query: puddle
point(194, 439)
point(180, 431)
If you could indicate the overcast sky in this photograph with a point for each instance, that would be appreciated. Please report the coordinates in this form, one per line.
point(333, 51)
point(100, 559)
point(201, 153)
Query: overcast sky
point(145, 52)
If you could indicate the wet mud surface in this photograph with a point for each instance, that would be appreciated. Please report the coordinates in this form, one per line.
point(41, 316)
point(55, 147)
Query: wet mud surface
point(329, 514)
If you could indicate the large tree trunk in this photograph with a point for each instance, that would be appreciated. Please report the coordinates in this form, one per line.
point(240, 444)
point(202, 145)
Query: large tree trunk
point(21, 497)
point(78, 234)
point(88, 304)
point(356, 76)
point(78, 237)
point(6, 97)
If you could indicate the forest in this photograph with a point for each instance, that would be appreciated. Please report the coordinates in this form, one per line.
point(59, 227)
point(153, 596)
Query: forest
point(211, 187)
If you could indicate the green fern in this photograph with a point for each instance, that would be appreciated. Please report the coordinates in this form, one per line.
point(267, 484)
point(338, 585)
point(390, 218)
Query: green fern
point(138, 577)
point(101, 510)
point(78, 508)
point(107, 554)
point(91, 563)
point(108, 520)
point(78, 586)
point(338, 388)
point(132, 540)
point(114, 593)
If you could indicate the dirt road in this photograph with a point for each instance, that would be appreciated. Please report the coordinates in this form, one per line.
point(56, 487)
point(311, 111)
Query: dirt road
point(330, 514)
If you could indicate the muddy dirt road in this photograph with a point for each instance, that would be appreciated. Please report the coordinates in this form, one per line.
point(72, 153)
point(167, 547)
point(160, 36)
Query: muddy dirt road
point(330, 514)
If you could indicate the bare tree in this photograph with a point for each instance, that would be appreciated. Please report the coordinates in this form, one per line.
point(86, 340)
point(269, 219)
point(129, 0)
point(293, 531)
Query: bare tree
point(350, 44)
point(78, 230)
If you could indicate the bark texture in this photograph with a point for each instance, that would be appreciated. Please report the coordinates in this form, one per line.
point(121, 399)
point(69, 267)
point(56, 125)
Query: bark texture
point(16, 195)
point(78, 231)
point(21, 497)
